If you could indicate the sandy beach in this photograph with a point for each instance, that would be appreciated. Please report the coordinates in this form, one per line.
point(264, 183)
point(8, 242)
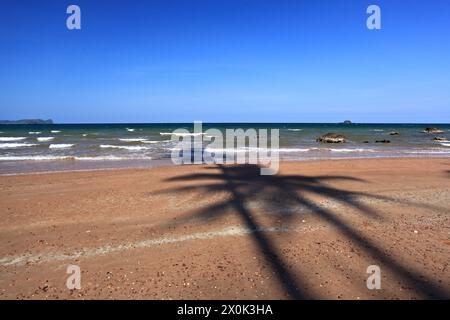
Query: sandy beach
point(225, 232)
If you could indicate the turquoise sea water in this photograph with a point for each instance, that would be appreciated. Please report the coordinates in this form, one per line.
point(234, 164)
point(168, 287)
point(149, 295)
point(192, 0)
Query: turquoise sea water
point(35, 148)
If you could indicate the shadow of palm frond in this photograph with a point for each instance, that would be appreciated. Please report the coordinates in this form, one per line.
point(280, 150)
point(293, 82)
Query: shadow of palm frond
point(243, 184)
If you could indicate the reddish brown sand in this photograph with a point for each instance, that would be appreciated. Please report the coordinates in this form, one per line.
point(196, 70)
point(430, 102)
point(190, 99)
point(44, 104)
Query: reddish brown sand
point(198, 232)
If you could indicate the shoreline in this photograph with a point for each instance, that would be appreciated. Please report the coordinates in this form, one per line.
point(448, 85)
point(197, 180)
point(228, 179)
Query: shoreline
point(168, 163)
point(225, 232)
point(107, 146)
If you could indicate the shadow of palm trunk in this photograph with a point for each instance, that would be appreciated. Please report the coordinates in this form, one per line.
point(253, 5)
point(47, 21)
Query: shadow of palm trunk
point(244, 184)
point(424, 286)
point(265, 245)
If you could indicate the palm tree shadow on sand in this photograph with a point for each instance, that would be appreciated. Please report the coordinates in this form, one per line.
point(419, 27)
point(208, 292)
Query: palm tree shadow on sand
point(244, 183)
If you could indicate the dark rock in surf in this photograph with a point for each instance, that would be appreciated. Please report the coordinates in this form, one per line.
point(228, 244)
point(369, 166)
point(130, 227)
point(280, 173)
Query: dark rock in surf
point(432, 130)
point(332, 138)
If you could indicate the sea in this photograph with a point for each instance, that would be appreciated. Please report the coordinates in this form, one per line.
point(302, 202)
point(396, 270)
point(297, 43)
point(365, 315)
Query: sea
point(72, 147)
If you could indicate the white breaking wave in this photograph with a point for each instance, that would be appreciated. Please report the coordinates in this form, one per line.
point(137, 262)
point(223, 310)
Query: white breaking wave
point(55, 131)
point(157, 141)
point(37, 158)
point(16, 145)
point(286, 150)
point(352, 150)
point(61, 146)
point(42, 139)
point(323, 150)
point(124, 147)
point(442, 151)
point(131, 130)
point(103, 158)
point(12, 138)
point(445, 144)
point(181, 134)
point(34, 132)
point(295, 129)
point(377, 130)
point(43, 158)
point(223, 150)
point(133, 139)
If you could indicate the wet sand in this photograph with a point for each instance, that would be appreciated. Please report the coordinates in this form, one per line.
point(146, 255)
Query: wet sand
point(209, 232)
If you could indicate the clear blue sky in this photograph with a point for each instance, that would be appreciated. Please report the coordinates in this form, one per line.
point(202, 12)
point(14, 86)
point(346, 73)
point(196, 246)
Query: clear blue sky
point(225, 60)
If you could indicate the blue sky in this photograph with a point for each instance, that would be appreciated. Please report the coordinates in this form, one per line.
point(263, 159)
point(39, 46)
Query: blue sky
point(225, 61)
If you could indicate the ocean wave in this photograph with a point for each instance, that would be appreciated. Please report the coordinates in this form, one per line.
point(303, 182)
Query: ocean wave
point(116, 158)
point(132, 148)
point(156, 141)
point(445, 144)
point(61, 146)
point(42, 139)
point(12, 138)
point(223, 150)
point(49, 158)
point(286, 150)
point(16, 145)
point(295, 129)
point(352, 150)
point(37, 158)
point(182, 134)
point(55, 131)
point(130, 130)
point(324, 150)
point(132, 139)
point(34, 132)
point(443, 151)
point(378, 130)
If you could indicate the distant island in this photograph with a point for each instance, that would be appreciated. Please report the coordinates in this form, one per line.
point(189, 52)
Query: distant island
point(346, 122)
point(27, 121)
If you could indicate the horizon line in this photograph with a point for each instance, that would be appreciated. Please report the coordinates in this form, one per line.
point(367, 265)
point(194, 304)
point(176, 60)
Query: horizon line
point(225, 122)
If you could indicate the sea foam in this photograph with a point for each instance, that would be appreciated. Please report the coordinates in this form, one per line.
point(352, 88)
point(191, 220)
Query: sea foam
point(42, 139)
point(16, 145)
point(131, 148)
point(34, 158)
point(61, 146)
point(132, 139)
point(49, 158)
point(156, 141)
point(181, 134)
point(12, 138)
